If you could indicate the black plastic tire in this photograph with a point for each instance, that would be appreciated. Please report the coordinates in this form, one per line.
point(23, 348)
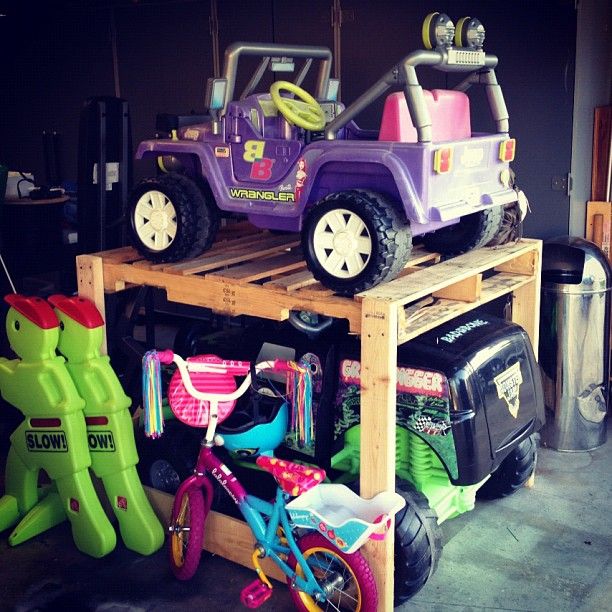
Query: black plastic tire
point(196, 218)
point(165, 462)
point(472, 231)
point(513, 472)
point(391, 240)
point(190, 339)
point(511, 228)
point(418, 543)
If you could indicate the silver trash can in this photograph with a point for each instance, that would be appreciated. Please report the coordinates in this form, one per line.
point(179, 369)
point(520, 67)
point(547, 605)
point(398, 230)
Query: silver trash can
point(575, 343)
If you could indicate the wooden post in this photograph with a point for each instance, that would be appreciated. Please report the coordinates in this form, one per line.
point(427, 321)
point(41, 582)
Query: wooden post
point(378, 400)
point(90, 284)
point(526, 303)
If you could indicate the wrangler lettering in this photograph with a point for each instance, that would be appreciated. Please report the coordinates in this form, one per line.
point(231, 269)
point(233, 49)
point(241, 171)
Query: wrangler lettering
point(260, 194)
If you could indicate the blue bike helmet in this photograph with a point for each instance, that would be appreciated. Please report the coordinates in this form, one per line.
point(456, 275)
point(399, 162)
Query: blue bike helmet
point(256, 427)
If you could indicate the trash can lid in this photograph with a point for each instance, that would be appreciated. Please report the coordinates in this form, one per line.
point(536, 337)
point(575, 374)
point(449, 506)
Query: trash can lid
point(574, 265)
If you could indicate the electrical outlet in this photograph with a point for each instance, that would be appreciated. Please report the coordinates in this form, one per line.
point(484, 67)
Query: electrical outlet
point(559, 183)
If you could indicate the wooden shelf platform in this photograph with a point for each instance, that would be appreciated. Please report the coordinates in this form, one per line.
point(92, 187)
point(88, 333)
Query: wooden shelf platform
point(264, 275)
point(261, 274)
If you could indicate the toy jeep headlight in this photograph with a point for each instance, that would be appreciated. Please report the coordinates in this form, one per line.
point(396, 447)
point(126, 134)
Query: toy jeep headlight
point(469, 33)
point(438, 31)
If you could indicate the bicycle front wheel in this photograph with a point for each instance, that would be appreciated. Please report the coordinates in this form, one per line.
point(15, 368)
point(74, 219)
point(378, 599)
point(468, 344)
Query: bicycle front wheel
point(186, 533)
point(346, 579)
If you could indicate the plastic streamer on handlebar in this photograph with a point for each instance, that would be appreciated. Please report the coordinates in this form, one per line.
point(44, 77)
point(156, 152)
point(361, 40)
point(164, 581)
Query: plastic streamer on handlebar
point(299, 391)
point(152, 395)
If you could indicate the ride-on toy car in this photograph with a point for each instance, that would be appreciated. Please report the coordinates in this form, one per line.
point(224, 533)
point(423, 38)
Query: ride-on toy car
point(293, 161)
point(469, 406)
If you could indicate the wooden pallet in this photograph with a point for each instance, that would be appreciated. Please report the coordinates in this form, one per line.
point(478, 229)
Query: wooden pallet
point(249, 272)
point(264, 275)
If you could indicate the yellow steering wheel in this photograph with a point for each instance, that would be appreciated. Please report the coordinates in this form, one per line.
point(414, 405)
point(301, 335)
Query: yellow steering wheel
point(305, 112)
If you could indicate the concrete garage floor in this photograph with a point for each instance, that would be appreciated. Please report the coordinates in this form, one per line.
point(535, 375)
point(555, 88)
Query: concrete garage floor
point(545, 548)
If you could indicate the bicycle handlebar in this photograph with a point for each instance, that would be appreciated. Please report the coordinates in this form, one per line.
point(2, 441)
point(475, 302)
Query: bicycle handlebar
point(236, 368)
point(165, 357)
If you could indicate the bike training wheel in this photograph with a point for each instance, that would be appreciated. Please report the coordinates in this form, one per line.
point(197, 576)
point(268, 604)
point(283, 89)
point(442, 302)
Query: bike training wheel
point(186, 533)
point(347, 578)
point(165, 462)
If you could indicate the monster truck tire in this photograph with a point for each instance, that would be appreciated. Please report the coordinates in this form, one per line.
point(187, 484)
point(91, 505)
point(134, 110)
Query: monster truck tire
point(344, 222)
point(171, 218)
point(418, 542)
point(511, 228)
point(513, 472)
point(471, 232)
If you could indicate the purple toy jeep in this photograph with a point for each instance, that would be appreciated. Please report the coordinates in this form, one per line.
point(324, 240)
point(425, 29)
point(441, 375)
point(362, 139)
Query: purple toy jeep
point(295, 162)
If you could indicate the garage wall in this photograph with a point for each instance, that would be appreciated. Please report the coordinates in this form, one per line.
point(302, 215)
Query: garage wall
point(164, 57)
point(534, 42)
point(593, 88)
point(52, 60)
point(57, 56)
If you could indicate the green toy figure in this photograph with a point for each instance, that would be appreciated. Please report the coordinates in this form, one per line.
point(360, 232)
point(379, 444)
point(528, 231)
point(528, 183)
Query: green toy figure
point(110, 431)
point(52, 436)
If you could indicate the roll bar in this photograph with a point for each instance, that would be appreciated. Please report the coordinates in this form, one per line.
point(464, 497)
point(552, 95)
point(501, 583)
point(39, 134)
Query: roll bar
point(480, 64)
point(269, 50)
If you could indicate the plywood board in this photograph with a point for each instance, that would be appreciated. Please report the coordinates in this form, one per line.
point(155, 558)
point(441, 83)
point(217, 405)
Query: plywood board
point(598, 227)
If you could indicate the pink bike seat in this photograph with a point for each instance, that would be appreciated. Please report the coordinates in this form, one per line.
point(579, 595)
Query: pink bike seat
point(293, 478)
point(195, 412)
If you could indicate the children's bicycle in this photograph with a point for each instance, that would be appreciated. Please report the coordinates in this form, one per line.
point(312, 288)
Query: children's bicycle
point(313, 539)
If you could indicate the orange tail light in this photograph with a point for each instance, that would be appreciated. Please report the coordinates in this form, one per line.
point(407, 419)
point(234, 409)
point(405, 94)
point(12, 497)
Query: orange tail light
point(443, 160)
point(507, 149)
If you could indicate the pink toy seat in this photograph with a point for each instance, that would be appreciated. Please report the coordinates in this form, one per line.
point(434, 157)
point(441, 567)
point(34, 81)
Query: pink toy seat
point(195, 412)
point(293, 478)
point(449, 110)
